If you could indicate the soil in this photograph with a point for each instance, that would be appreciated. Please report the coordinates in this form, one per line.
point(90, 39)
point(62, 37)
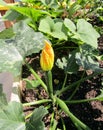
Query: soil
point(91, 113)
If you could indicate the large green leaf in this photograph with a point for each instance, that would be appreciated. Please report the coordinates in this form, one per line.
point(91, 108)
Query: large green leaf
point(70, 25)
point(3, 101)
point(46, 25)
point(82, 33)
point(35, 122)
point(12, 117)
point(10, 59)
point(12, 15)
point(72, 66)
point(87, 33)
point(87, 58)
point(59, 31)
point(7, 33)
point(30, 12)
point(26, 40)
point(53, 27)
point(12, 51)
point(69, 64)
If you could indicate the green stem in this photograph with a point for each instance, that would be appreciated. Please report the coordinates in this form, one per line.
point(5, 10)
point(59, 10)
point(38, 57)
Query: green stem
point(36, 76)
point(74, 92)
point(75, 83)
point(65, 79)
point(80, 101)
point(29, 115)
point(37, 102)
point(49, 82)
point(53, 122)
point(64, 127)
point(74, 119)
point(77, 121)
point(78, 127)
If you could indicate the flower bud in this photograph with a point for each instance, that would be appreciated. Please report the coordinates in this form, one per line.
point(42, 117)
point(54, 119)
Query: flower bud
point(47, 57)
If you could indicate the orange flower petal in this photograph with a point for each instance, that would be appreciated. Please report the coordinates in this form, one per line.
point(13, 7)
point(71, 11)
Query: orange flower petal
point(47, 57)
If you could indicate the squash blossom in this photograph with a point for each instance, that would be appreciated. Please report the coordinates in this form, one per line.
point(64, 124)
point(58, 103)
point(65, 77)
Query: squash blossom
point(47, 57)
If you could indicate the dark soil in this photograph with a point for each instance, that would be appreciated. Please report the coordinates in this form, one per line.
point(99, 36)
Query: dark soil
point(91, 113)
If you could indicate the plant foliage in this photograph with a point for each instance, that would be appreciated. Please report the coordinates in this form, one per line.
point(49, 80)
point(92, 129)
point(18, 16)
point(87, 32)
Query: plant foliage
point(68, 27)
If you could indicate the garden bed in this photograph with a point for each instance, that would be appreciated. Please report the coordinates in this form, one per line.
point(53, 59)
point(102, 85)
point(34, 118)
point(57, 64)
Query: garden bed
point(52, 48)
point(91, 113)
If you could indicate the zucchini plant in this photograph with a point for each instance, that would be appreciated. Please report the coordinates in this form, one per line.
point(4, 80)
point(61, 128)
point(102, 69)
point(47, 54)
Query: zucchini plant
point(47, 26)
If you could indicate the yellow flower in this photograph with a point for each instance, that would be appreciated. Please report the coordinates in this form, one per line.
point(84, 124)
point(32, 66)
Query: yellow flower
point(47, 57)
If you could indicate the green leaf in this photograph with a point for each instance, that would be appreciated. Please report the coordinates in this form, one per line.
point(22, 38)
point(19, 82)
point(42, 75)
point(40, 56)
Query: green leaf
point(12, 15)
point(35, 122)
point(26, 40)
point(31, 84)
point(30, 12)
point(47, 2)
point(46, 25)
point(55, 28)
point(87, 59)
point(70, 25)
point(73, 8)
point(3, 101)
point(7, 33)
point(72, 66)
point(53, 4)
point(59, 31)
point(82, 33)
point(12, 51)
point(61, 63)
point(87, 33)
point(12, 117)
point(69, 64)
point(10, 59)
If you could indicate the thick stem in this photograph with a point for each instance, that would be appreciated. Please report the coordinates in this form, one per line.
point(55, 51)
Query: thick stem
point(77, 121)
point(74, 119)
point(49, 82)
